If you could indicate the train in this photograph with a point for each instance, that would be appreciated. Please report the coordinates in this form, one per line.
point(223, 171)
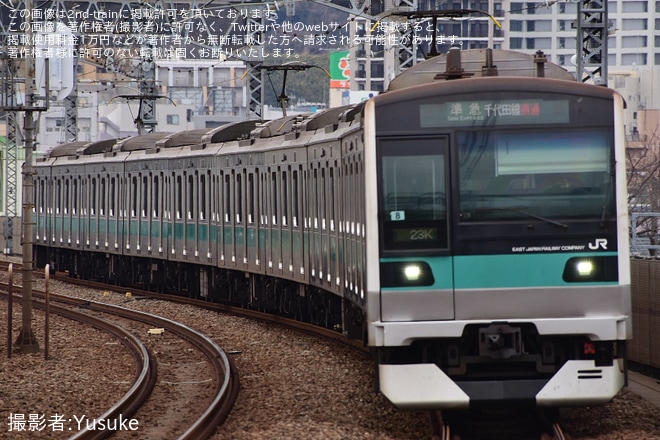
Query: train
point(469, 225)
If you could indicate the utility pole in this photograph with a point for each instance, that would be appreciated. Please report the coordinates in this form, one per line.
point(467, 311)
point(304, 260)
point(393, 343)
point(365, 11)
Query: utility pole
point(592, 33)
point(26, 340)
point(283, 99)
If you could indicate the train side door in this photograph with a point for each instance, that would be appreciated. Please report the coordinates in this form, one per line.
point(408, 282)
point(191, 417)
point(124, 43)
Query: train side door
point(416, 266)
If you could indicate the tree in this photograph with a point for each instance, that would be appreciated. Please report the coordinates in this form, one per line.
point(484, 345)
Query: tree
point(643, 166)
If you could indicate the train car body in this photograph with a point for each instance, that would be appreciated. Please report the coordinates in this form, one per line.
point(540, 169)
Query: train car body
point(472, 232)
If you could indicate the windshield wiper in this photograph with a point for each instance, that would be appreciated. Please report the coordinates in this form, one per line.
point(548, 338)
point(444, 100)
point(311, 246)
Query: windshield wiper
point(521, 210)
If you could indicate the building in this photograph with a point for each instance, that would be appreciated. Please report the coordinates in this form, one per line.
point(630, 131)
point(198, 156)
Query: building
point(634, 31)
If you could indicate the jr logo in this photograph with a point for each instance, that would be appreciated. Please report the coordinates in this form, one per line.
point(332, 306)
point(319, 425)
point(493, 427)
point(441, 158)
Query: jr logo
point(599, 243)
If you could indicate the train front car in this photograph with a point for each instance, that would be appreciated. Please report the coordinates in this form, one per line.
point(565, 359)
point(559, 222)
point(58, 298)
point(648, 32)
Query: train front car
point(499, 272)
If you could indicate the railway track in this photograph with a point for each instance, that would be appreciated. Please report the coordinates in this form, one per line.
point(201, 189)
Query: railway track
point(145, 377)
point(224, 376)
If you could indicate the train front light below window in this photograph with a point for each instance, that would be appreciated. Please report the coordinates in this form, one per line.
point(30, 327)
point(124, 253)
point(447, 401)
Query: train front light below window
point(591, 269)
point(405, 274)
point(584, 268)
point(412, 272)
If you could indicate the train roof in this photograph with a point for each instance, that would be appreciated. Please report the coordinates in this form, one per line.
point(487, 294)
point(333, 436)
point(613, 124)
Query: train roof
point(204, 136)
point(276, 127)
point(81, 147)
point(68, 149)
point(140, 142)
point(230, 132)
point(182, 138)
point(479, 62)
point(488, 85)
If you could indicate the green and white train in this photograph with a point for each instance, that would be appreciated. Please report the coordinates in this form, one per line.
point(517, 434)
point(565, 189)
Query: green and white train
point(472, 231)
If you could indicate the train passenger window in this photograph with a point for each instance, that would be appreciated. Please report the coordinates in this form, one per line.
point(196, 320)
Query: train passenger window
point(82, 195)
point(58, 195)
point(216, 198)
point(113, 192)
point(331, 192)
point(239, 196)
point(167, 197)
point(191, 197)
point(264, 200)
point(67, 194)
point(202, 197)
point(322, 200)
point(251, 198)
point(75, 196)
point(274, 196)
point(315, 193)
point(93, 195)
point(348, 213)
point(41, 199)
point(145, 196)
point(179, 197)
point(155, 193)
point(285, 199)
point(134, 195)
point(294, 197)
point(412, 193)
point(518, 175)
point(102, 197)
point(227, 198)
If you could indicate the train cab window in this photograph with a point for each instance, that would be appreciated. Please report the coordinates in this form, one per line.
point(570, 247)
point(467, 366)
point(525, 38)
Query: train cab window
point(412, 193)
point(521, 175)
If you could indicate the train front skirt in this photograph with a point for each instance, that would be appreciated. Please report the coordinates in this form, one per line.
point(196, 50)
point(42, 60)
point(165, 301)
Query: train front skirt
point(426, 386)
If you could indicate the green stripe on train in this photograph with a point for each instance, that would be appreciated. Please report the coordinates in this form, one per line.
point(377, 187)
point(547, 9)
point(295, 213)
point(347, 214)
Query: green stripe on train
point(517, 270)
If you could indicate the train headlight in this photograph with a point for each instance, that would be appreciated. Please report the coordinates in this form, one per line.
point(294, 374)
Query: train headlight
point(591, 269)
point(405, 274)
point(412, 272)
point(584, 268)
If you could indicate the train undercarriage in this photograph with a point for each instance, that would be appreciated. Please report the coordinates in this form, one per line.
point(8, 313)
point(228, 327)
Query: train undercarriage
point(280, 297)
